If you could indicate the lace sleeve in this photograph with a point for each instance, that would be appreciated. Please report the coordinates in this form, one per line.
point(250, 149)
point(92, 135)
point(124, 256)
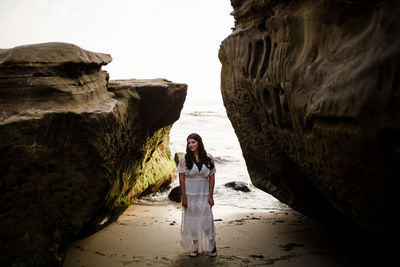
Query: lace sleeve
point(213, 170)
point(182, 164)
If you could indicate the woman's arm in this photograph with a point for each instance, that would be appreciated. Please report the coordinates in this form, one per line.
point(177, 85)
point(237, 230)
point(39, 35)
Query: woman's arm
point(183, 189)
point(211, 180)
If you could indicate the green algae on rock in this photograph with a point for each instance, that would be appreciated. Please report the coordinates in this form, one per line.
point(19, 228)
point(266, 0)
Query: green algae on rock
point(76, 148)
point(159, 166)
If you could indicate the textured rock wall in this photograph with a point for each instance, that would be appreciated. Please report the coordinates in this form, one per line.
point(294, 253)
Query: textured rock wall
point(76, 149)
point(312, 91)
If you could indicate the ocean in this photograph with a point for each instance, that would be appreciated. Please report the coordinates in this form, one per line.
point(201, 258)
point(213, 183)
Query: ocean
point(208, 119)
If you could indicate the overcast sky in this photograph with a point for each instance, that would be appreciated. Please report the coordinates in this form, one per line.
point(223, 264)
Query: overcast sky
point(173, 39)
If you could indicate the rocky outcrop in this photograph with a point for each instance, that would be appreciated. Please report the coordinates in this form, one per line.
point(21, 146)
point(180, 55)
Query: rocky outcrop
point(312, 91)
point(238, 186)
point(76, 149)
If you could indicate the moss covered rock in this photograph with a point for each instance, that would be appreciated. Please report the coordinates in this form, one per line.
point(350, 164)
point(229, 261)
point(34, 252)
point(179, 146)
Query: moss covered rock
point(76, 149)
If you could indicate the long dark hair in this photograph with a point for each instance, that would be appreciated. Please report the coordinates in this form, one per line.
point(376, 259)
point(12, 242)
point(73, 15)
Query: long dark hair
point(189, 157)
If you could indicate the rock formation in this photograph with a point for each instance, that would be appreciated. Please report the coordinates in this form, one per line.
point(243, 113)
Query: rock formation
point(76, 149)
point(238, 186)
point(312, 91)
point(175, 194)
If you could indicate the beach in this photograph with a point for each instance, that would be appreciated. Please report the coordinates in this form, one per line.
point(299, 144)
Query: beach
point(253, 228)
point(148, 235)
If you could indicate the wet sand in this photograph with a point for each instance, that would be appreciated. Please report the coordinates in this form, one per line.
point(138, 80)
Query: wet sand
point(148, 235)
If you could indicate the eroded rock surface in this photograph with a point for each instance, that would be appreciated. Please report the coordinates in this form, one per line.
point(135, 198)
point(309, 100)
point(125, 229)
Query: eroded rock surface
point(75, 148)
point(312, 91)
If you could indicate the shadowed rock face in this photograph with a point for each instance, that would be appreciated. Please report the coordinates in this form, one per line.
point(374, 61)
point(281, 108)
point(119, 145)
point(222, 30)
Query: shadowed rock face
point(312, 91)
point(75, 148)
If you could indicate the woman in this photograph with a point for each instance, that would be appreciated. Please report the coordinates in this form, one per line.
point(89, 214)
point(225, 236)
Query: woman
point(197, 177)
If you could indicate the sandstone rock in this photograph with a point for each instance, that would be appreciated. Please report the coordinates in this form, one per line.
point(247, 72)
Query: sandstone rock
point(39, 79)
point(74, 153)
point(312, 91)
point(238, 186)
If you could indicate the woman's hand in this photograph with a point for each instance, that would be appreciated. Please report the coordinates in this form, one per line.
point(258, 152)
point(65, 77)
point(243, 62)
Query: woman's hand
point(184, 201)
point(210, 201)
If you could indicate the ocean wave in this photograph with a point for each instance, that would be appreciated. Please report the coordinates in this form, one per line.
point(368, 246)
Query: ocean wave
point(224, 159)
point(207, 114)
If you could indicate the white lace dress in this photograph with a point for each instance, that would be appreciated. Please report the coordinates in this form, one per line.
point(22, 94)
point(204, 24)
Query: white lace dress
point(197, 228)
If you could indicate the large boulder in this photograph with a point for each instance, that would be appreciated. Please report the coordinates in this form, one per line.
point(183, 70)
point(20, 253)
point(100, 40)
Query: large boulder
point(75, 149)
point(312, 90)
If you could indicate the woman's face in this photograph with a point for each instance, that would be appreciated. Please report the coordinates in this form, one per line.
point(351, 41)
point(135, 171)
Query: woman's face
point(192, 144)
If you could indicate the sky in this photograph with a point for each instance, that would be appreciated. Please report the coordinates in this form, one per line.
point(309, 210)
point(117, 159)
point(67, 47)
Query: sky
point(173, 39)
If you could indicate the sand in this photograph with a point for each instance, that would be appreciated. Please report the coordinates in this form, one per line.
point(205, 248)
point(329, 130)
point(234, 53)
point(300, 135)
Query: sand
point(148, 235)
